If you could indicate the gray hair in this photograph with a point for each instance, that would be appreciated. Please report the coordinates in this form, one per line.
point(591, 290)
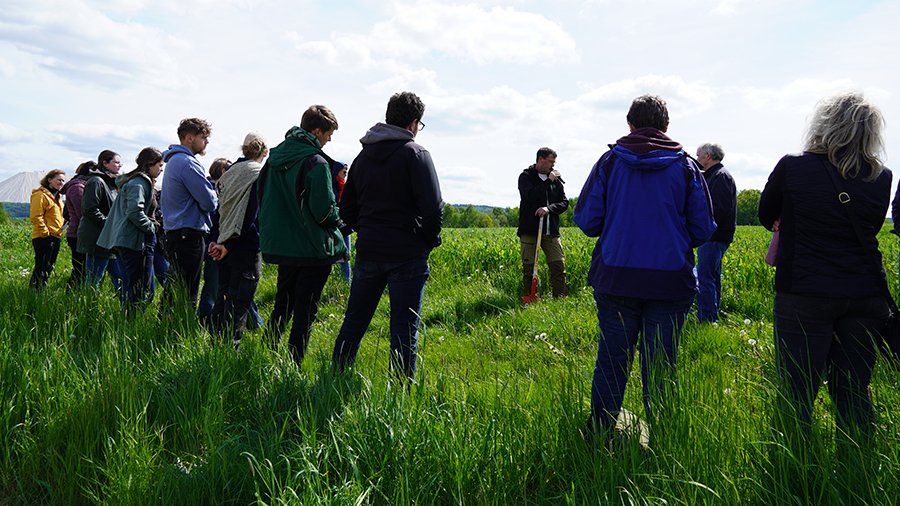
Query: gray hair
point(847, 128)
point(713, 150)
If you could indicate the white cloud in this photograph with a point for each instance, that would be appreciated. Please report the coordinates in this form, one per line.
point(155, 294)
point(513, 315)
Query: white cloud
point(79, 42)
point(10, 134)
point(466, 32)
point(92, 138)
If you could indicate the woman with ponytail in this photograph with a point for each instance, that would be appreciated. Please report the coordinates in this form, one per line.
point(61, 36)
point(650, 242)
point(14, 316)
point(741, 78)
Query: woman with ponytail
point(97, 199)
point(130, 229)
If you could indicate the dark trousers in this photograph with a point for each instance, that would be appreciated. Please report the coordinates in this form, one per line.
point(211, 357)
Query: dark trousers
point(137, 291)
point(297, 297)
point(625, 323)
point(818, 337)
point(405, 282)
point(185, 249)
point(239, 274)
point(77, 276)
point(209, 292)
point(46, 249)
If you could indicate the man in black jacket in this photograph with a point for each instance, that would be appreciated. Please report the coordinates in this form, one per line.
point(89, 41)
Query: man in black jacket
point(709, 256)
point(392, 200)
point(541, 194)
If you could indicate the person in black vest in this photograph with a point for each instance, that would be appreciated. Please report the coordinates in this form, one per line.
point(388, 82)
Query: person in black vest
point(709, 255)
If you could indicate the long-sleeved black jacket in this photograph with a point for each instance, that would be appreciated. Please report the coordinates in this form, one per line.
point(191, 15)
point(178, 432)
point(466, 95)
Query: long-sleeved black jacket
point(534, 193)
point(723, 193)
point(819, 252)
point(392, 197)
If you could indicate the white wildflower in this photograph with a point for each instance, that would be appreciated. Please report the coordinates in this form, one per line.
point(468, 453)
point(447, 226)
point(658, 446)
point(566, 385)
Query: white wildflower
point(747, 321)
point(751, 342)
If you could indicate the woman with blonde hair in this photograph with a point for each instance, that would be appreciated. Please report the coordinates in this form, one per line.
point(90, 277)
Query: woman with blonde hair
point(830, 287)
point(46, 225)
point(235, 241)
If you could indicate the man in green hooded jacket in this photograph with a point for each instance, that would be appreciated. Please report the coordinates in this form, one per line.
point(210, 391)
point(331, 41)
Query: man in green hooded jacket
point(299, 225)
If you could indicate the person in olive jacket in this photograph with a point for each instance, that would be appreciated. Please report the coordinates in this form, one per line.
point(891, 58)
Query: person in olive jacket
point(298, 225)
point(541, 193)
point(130, 229)
point(96, 201)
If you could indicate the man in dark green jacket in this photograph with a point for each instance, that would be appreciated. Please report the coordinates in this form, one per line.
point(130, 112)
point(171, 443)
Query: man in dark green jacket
point(299, 225)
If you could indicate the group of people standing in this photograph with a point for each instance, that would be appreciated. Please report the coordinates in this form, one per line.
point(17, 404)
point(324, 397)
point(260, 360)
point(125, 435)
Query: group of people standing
point(648, 202)
point(279, 205)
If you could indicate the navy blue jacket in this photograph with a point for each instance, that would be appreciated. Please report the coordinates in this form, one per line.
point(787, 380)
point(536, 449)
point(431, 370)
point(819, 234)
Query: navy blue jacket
point(648, 203)
point(723, 193)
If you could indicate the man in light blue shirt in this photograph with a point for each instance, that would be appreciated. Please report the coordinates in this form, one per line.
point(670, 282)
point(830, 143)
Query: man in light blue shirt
point(187, 200)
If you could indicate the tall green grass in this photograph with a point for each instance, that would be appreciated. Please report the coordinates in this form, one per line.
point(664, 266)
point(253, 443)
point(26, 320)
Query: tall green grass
point(98, 409)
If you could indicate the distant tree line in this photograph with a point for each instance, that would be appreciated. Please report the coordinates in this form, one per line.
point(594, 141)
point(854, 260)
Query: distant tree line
point(470, 216)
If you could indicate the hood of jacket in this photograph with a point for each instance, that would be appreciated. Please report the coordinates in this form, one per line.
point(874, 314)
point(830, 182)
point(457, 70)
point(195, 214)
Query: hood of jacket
point(648, 149)
point(298, 145)
point(382, 140)
point(175, 149)
point(75, 181)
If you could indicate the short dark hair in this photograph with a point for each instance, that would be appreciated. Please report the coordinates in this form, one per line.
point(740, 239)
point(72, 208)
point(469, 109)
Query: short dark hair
point(648, 111)
point(318, 116)
point(403, 108)
point(193, 126)
point(544, 153)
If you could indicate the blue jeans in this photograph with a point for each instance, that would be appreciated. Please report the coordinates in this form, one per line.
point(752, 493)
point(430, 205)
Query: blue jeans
point(345, 266)
point(622, 321)
point(709, 280)
point(405, 282)
point(137, 291)
point(95, 266)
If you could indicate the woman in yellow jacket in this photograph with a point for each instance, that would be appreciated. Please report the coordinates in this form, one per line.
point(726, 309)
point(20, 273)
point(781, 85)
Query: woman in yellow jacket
point(47, 224)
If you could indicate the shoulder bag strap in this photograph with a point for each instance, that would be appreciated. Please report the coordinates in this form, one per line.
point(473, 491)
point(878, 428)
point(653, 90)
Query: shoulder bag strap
point(845, 200)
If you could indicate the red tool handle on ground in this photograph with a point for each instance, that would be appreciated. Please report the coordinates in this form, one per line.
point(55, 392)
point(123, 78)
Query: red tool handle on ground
point(528, 299)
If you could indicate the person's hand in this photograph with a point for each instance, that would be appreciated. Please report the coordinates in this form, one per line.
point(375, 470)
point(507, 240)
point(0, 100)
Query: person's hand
point(217, 251)
point(542, 211)
point(776, 225)
point(553, 175)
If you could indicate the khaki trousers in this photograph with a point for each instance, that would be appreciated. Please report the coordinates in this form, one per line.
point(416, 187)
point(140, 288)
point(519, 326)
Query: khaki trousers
point(556, 262)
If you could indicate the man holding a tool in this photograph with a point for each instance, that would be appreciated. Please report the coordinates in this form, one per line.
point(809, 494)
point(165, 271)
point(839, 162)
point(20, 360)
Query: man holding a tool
point(542, 200)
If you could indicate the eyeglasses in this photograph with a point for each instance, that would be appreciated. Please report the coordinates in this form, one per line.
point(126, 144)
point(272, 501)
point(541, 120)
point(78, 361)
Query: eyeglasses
point(421, 125)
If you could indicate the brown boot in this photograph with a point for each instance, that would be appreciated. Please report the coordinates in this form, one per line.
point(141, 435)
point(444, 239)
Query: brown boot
point(558, 278)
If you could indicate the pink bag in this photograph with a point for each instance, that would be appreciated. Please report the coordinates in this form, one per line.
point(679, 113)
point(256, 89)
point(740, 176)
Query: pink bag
point(772, 253)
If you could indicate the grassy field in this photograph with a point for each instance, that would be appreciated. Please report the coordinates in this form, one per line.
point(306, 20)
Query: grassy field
point(96, 409)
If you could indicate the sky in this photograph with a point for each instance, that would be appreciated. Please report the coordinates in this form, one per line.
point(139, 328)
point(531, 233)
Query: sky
point(499, 79)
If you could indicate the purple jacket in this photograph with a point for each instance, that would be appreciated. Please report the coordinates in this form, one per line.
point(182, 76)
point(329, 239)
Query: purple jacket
point(73, 190)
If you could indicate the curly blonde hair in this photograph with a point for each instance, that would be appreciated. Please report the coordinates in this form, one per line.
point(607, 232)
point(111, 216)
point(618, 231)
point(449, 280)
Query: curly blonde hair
point(847, 128)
